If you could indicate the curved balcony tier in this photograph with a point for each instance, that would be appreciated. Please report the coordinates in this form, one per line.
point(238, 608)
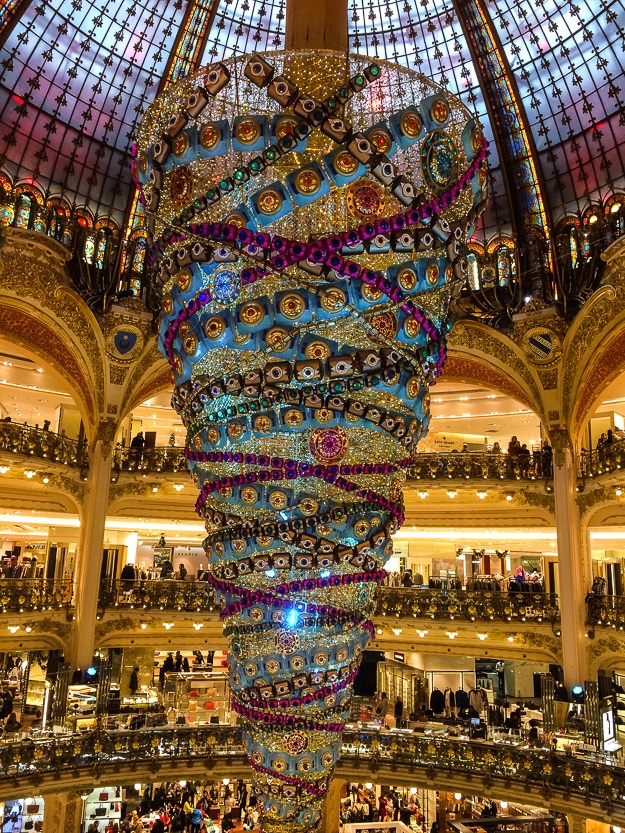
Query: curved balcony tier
point(29, 441)
point(72, 762)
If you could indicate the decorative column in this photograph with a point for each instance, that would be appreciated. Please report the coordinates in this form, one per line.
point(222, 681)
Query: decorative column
point(316, 24)
point(573, 559)
point(89, 563)
point(62, 811)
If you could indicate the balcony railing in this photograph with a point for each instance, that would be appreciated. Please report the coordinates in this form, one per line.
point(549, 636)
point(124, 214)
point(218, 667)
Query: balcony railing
point(150, 460)
point(605, 460)
point(28, 440)
point(467, 605)
point(20, 594)
point(164, 594)
point(480, 466)
point(104, 754)
point(605, 611)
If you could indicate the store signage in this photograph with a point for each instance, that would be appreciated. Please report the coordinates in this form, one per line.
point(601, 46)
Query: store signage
point(398, 656)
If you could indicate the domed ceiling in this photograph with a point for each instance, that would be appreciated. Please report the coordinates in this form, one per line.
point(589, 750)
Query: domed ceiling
point(76, 76)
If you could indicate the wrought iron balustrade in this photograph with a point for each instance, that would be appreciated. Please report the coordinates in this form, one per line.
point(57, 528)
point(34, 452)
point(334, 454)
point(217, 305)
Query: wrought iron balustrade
point(20, 594)
point(605, 611)
point(166, 594)
point(150, 460)
point(19, 438)
point(106, 753)
point(605, 460)
point(479, 466)
point(467, 605)
point(161, 594)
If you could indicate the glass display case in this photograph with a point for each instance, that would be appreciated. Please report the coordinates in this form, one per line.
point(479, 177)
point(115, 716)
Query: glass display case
point(198, 697)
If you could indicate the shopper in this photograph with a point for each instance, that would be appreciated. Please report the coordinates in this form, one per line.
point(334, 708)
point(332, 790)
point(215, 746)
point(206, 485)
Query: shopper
point(12, 724)
point(399, 713)
point(133, 685)
point(197, 819)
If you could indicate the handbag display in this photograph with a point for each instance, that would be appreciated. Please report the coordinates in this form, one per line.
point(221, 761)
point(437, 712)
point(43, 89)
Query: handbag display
point(104, 796)
point(100, 812)
point(38, 825)
point(31, 809)
point(29, 824)
point(209, 705)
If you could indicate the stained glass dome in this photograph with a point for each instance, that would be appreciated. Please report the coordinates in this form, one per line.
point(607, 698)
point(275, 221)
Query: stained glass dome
point(545, 78)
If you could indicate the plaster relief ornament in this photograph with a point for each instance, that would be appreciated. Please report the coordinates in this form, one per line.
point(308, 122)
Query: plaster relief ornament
point(307, 244)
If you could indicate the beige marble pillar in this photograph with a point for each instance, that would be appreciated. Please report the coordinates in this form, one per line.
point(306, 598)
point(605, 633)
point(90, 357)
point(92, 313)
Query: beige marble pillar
point(89, 561)
point(62, 812)
point(573, 565)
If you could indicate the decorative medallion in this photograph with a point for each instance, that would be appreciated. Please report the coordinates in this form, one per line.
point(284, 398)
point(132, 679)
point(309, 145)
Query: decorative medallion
point(236, 219)
point(328, 445)
point(247, 131)
point(286, 642)
point(285, 126)
point(381, 139)
point(324, 415)
point(365, 199)
point(439, 161)
point(477, 137)
point(167, 302)
point(345, 163)
point(251, 313)
point(295, 743)
point(432, 273)
point(181, 187)
point(272, 666)
point(293, 418)
point(413, 387)
point(269, 201)
point(124, 343)
point(307, 181)
point(235, 430)
point(224, 283)
point(370, 293)
point(278, 500)
point(189, 344)
point(332, 300)
point(210, 136)
point(214, 327)
point(411, 124)
point(317, 350)
point(142, 161)
point(385, 324)
point(180, 145)
point(308, 506)
point(292, 306)
point(407, 279)
point(542, 346)
point(249, 495)
point(184, 279)
point(262, 423)
point(305, 765)
point(278, 339)
point(412, 328)
point(439, 110)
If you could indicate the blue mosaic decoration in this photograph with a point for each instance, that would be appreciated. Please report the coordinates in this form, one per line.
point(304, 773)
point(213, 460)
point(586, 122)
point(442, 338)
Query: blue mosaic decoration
point(305, 296)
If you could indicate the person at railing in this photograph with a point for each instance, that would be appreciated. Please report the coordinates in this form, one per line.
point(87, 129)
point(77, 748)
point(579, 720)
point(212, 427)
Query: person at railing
point(12, 723)
point(524, 459)
point(514, 446)
point(407, 579)
point(14, 569)
point(496, 449)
